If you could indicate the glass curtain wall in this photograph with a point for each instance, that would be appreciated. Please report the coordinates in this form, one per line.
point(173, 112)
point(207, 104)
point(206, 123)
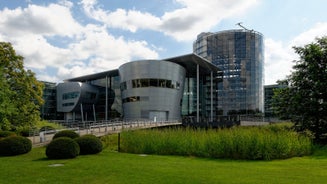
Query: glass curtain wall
point(239, 53)
point(114, 102)
point(189, 102)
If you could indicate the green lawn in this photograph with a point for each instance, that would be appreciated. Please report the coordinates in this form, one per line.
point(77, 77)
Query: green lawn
point(113, 167)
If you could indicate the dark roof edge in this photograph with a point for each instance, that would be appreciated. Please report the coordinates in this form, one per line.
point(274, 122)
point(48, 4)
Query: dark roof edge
point(183, 60)
point(204, 63)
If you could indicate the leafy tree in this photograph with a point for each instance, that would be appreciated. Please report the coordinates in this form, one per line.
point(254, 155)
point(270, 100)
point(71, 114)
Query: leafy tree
point(21, 93)
point(305, 100)
point(6, 107)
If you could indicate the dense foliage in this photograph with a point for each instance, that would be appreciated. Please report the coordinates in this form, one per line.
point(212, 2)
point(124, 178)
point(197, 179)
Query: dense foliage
point(304, 101)
point(21, 93)
point(15, 145)
point(62, 148)
point(66, 133)
point(254, 143)
point(89, 144)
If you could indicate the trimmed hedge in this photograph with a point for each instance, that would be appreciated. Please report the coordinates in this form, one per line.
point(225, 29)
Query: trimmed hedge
point(15, 145)
point(61, 148)
point(4, 134)
point(66, 133)
point(89, 144)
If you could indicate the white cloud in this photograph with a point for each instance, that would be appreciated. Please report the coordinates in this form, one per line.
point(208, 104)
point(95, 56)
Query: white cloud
point(106, 52)
point(38, 53)
point(48, 20)
point(278, 61)
point(130, 20)
point(318, 30)
point(198, 16)
point(33, 32)
point(183, 24)
point(279, 56)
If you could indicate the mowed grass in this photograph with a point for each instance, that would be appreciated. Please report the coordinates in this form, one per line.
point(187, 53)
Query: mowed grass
point(114, 167)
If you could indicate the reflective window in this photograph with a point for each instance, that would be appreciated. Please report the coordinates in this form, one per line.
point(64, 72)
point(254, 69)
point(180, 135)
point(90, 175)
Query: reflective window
point(168, 83)
point(70, 95)
point(123, 86)
point(136, 83)
point(90, 95)
point(141, 83)
point(153, 83)
point(68, 104)
point(144, 83)
point(162, 83)
point(131, 99)
point(135, 99)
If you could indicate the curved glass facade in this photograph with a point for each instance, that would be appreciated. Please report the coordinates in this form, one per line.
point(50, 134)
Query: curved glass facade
point(239, 53)
point(97, 99)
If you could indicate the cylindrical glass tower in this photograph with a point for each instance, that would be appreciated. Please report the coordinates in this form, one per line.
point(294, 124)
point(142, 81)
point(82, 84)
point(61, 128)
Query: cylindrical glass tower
point(239, 53)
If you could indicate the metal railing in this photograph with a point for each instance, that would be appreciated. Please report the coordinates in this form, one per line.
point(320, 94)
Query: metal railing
point(100, 128)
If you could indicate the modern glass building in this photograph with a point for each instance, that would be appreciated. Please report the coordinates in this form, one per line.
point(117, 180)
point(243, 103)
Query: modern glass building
point(239, 54)
point(156, 90)
point(90, 98)
point(49, 108)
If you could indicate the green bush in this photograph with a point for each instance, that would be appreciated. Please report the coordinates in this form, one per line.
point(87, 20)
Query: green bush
point(61, 148)
point(15, 145)
point(4, 134)
point(66, 133)
point(89, 144)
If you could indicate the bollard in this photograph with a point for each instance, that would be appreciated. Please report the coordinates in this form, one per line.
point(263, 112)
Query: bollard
point(42, 137)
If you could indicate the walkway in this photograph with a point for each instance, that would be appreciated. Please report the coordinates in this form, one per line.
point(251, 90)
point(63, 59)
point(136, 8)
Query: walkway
point(101, 129)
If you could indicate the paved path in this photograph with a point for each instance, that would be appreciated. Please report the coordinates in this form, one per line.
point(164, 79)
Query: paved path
point(100, 130)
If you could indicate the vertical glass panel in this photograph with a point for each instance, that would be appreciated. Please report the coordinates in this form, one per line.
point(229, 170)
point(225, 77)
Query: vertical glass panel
point(123, 86)
point(162, 83)
point(144, 82)
point(136, 83)
point(168, 83)
point(153, 83)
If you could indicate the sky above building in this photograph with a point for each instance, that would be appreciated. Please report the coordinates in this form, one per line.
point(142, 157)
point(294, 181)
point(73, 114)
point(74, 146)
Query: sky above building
point(64, 39)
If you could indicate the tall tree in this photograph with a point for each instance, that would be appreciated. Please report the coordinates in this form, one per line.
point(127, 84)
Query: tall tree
point(21, 93)
point(305, 99)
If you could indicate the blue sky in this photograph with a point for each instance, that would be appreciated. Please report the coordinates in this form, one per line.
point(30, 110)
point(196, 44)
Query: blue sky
point(63, 39)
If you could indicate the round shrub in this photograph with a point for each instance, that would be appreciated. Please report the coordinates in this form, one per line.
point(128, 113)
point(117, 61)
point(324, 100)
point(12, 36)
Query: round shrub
point(15, 145)
point(61, 148)
point(4, 134)
point(66, 133)
point(89, 144)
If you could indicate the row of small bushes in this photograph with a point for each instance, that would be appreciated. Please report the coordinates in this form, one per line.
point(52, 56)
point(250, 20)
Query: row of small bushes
point(68, 144)
point(11, 144)
point(252, 143)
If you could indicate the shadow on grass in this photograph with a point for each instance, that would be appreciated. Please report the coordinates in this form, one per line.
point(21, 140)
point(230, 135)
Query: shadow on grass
point(42, 159)
point(320, 152)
